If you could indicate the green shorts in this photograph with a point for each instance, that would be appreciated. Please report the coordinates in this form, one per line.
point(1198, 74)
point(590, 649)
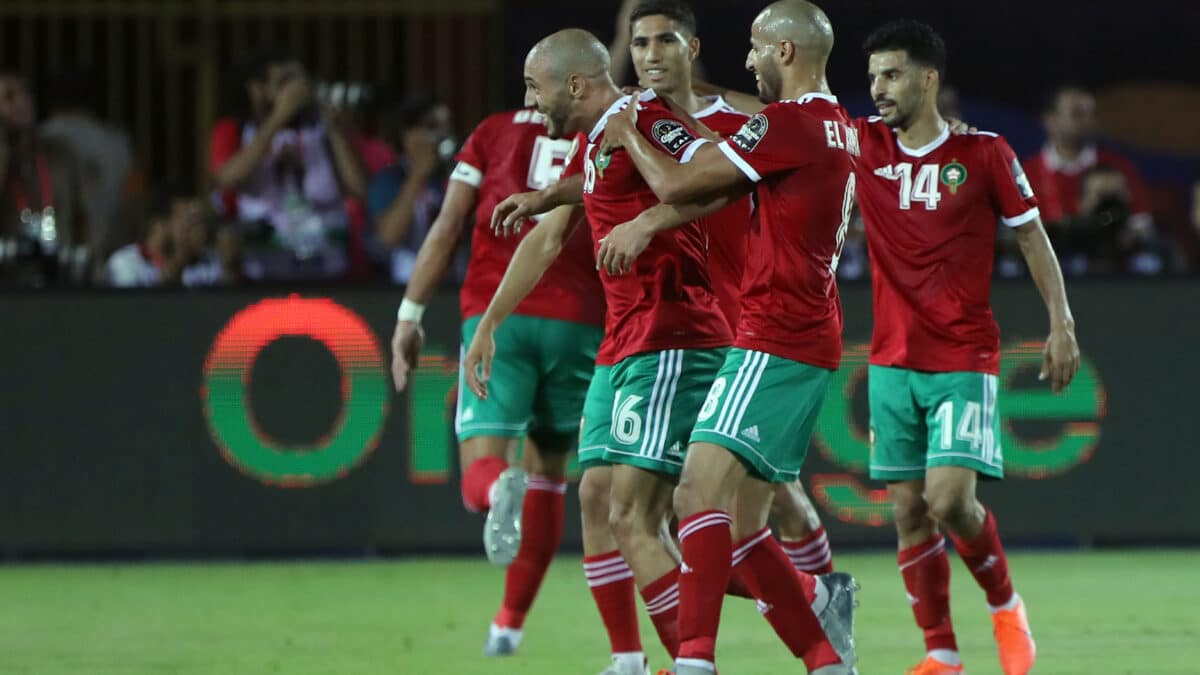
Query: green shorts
point(763, 408)
point(596, 424)
point(656, 398)
point(921, 420)
point(540, 375)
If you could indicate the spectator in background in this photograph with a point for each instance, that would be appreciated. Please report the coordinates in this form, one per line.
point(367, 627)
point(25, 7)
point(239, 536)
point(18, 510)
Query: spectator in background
point(43, 225)
point(285, 168)
point(174, 247)
point(358, 104)
point(404, 199)
point(103, 154)
point(1073, 207)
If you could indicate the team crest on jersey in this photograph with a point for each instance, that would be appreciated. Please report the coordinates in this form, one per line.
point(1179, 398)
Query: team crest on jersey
point(751, 133)
point(1022, 181)
point(953, 175)
point(602, 161)
point(671, 134)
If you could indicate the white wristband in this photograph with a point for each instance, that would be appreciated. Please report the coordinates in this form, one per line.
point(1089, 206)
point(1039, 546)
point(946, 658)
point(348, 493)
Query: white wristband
point(410, 311)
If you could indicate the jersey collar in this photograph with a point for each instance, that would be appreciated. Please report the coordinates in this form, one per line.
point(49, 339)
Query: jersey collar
point(928, 147)
point(816, 95)
point(718, 104)
point(1056, 163)
point(615, 108)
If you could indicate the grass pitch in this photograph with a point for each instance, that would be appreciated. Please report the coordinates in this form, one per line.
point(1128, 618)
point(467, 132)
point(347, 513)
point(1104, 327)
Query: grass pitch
point(1095, 613)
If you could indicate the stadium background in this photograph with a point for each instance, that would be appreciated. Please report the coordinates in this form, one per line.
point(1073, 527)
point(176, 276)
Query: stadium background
point(261, 423)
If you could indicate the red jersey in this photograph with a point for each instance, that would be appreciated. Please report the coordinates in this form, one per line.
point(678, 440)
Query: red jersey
point(729, 228)
point(930, 216)
point(1056, 181)
point(666, 301)
point(801, 156)
point(507, 153)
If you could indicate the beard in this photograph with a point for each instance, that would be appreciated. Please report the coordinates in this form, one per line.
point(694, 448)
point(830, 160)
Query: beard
point(898, 118)
point(770, 82)
point(555, 125)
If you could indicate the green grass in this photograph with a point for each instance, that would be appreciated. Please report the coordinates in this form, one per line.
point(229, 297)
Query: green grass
point(1099, 614)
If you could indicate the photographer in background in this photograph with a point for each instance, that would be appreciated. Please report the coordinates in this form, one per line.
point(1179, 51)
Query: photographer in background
point(284, 169)
point(404, 199)
point(43, 226)
point(1113, 203)
point(1101, 238)
point(175, 247)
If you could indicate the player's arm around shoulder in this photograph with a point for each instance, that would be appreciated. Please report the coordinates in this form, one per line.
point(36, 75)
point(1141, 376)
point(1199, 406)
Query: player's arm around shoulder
point(674, 163)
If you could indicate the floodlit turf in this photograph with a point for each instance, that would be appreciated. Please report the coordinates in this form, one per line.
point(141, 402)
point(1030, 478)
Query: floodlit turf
point(1099, 614)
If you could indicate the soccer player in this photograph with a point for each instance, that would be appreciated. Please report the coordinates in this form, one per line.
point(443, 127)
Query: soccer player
point(755, 426)
point(663, 321)
point(664, 44)
point(547, 351)
point(931, 201)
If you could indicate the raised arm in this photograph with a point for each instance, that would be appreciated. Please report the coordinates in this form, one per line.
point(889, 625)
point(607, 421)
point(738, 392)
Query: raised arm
point(1060, 359)
point(532, 258)
point(351, 171)
point(231, 173)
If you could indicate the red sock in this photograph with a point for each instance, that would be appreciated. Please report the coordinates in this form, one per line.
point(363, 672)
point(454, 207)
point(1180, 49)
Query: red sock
point(985, 558)
point(541, 532)
point(662, 604)
point(785, 597)
point(611, 582)
point(926, 572)
point(477, 481)
point(706, 543)
point(810, 554)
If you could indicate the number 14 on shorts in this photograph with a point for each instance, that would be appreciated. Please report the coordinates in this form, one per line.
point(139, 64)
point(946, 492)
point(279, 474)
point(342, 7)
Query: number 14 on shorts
point(971, 427)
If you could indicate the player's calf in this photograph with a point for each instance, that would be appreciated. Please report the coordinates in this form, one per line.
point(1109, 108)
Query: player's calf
point(640, 501)
point(800, 530)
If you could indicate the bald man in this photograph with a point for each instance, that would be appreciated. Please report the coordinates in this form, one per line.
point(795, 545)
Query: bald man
point(665, 336)
point(754, 428)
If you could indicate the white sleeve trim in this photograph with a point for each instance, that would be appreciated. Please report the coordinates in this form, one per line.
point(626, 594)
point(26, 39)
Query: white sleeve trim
point(740, 163)
point(1017, 221)
point(690, 150)
point(465, 173)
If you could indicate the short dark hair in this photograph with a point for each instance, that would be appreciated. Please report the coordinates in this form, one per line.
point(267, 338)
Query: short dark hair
point(163, 198)
point(1050, 98)
point(677, 11)
point(919, 40)
point(256, 64)
point(413, 109)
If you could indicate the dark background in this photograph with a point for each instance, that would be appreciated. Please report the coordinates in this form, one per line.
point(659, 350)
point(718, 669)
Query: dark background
point(1004, 51)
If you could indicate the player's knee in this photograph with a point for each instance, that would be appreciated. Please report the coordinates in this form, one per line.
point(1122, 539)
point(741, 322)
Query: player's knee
point(623, 520)
point(688, 499)
point(594, 491)
point(950, 507)
point(911, 511)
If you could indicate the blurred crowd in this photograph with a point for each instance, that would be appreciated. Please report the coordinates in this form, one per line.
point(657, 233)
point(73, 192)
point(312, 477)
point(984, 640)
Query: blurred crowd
point(332, 182)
